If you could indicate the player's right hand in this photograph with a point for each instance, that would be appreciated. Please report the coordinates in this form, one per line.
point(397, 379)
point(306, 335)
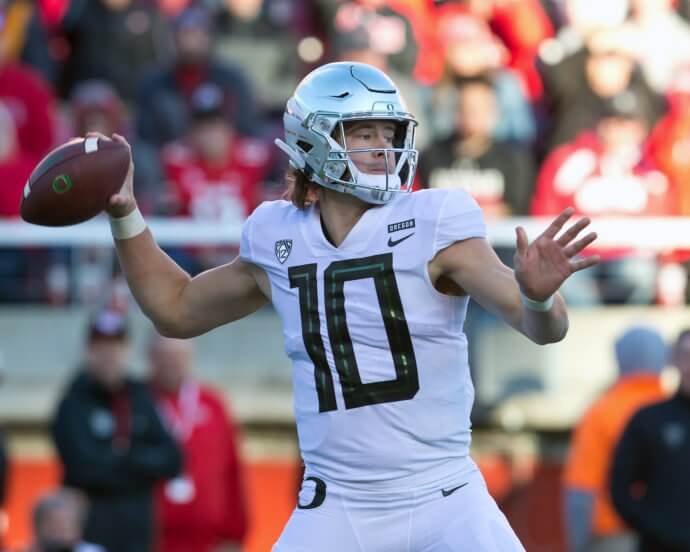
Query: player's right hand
point(123, 202)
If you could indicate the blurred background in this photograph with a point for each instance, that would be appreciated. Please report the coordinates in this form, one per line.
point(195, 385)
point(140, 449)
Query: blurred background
point(530, 105)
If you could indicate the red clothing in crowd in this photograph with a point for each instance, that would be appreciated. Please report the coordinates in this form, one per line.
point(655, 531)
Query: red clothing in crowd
point(13, 177)
point(670, 148)
point(32, 105)
point(523, 26)
point(205, 506)
point(229, 191)
point(580, 175)
point(520, 27)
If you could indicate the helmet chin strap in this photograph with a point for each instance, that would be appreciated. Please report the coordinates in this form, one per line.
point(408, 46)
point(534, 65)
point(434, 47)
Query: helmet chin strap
point(375, 188)
point(383, 182)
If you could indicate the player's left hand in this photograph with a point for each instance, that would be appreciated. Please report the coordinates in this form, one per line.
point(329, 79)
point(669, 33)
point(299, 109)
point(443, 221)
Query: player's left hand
point(542, 266)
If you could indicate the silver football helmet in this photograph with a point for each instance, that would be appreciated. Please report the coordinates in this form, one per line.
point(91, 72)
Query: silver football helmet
point(315, 139)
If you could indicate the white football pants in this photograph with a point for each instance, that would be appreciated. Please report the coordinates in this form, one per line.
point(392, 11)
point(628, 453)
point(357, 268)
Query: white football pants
point(466, 519)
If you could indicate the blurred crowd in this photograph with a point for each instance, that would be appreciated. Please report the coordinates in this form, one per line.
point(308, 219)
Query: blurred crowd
point(530, 105)
point(148, 464)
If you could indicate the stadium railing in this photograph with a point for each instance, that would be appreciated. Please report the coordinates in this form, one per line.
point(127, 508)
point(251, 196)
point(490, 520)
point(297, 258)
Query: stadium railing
point(648, 233)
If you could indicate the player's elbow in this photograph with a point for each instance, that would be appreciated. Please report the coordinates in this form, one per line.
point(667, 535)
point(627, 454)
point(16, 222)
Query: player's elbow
point(173, 329)
point(553, 333)
point(558, 333)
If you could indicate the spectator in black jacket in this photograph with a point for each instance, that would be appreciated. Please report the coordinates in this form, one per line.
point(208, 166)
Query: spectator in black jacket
point(164, 105)
point(650, 481)
point(498, 174)
point(112, 443)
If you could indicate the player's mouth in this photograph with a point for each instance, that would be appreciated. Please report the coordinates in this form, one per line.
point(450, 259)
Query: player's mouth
point(376, 170)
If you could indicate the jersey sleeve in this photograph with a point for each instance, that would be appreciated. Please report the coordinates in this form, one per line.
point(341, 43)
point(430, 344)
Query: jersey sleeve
point(246, 253)
point(459, 218)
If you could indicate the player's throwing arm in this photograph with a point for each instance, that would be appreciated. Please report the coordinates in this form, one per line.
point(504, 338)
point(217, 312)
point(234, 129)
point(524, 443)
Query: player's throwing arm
point(179, 306)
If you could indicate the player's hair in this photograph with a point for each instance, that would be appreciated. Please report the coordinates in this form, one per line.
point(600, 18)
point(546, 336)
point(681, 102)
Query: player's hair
point(300, 190)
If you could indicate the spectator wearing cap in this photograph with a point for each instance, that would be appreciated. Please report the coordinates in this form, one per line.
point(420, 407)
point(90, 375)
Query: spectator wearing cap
point(649, 478)
point(608, 172)
point(591, 522)
point(112, 442)
point(164, 105)
point(97, 107)
point(214, 173)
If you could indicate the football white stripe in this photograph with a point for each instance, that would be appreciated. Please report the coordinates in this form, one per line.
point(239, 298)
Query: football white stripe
point(27, 189)
point(91, 144)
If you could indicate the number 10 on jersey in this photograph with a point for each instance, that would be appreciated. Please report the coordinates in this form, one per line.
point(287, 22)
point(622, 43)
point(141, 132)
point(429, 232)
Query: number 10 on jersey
point(355, 393)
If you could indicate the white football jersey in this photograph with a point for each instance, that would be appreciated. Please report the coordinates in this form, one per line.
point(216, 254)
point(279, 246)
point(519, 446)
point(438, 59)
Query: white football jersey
point(382, 389)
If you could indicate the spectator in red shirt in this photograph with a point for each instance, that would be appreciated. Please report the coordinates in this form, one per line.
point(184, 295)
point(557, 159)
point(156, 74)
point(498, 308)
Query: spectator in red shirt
point(32, 104)
point(670, 140)
point(214, 173)
point(15, 166)
point(607, 172)
point(202, 510)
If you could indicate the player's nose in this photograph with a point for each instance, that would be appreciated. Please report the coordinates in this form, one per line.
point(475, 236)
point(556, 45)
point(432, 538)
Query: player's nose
point(380, 142)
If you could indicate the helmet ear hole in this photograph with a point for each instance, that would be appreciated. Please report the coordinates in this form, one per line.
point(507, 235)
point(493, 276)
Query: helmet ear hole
point(306, 147)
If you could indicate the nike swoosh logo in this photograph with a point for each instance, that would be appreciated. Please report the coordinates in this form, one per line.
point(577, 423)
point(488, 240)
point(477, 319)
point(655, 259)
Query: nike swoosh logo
point(449, 492)
point(393, 243)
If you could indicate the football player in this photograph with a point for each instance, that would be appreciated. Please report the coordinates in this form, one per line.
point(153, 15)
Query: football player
point(371, 284)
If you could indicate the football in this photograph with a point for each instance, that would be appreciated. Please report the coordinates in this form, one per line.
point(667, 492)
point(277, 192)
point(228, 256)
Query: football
point(74, 181)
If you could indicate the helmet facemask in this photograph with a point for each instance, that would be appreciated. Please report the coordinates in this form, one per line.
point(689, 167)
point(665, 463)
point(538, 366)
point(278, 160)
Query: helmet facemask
point(341, 173)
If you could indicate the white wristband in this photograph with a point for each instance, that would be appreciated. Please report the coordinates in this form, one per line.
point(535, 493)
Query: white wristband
point(128, 226)
point(539, 306)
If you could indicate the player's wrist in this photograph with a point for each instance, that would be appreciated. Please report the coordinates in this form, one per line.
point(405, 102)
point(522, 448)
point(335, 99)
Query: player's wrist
point(129, 225)
point(535, 305)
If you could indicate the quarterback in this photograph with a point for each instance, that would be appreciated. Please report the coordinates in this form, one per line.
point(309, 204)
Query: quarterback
point(371, 284)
